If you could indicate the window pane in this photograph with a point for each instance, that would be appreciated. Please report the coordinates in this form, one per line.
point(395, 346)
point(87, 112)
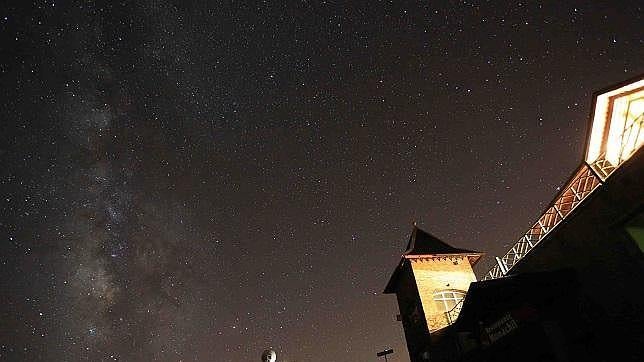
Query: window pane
point(446, 300)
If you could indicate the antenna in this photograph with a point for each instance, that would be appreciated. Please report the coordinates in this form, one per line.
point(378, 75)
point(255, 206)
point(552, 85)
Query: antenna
point(385, 353)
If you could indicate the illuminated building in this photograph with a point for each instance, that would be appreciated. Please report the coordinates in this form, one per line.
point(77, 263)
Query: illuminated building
point(430, 280)
point(570, 288)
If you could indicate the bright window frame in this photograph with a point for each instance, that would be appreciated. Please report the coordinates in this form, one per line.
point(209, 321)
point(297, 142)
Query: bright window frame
point(446, 300)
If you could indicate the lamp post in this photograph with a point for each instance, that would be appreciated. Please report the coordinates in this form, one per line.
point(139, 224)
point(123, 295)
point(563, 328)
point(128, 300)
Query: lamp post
point(385, 353)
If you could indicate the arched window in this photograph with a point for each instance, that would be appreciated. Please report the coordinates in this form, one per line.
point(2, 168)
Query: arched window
point(445, 300)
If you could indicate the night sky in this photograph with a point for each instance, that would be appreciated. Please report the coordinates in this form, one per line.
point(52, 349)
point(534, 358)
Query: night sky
point(199, 182)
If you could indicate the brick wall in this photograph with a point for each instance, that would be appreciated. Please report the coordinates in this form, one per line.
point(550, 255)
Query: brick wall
point(440, 273)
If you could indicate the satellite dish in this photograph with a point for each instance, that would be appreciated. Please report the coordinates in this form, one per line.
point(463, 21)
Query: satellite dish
point(269, 356)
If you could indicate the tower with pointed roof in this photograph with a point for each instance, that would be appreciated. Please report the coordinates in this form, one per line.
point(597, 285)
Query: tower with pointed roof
point(430, 280)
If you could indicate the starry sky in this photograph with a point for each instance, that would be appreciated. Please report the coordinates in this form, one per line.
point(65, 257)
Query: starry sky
point(197, 181)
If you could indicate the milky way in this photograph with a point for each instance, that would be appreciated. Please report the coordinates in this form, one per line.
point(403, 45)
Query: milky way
point(197, 182)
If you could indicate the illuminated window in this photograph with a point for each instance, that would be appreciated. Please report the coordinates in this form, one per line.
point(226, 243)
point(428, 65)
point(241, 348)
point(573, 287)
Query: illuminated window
point(617, 130)
point(446, 300)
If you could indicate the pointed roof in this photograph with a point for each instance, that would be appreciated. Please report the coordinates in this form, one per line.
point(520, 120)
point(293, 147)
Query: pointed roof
point(423, 244)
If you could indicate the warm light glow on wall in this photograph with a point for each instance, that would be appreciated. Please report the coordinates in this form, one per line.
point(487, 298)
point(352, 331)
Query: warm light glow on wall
point(617, 124)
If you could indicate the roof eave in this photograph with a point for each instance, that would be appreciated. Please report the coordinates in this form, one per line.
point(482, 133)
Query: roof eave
point(473, 257)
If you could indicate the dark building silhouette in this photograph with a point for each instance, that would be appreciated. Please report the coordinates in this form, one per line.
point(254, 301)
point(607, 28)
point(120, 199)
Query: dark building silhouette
point(571, 288)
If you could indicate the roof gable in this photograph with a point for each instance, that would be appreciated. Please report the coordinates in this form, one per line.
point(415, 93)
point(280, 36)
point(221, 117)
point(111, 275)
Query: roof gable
point(424, 243)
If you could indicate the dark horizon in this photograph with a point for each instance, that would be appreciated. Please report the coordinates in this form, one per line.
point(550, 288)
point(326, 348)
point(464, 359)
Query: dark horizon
point(200, 182)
